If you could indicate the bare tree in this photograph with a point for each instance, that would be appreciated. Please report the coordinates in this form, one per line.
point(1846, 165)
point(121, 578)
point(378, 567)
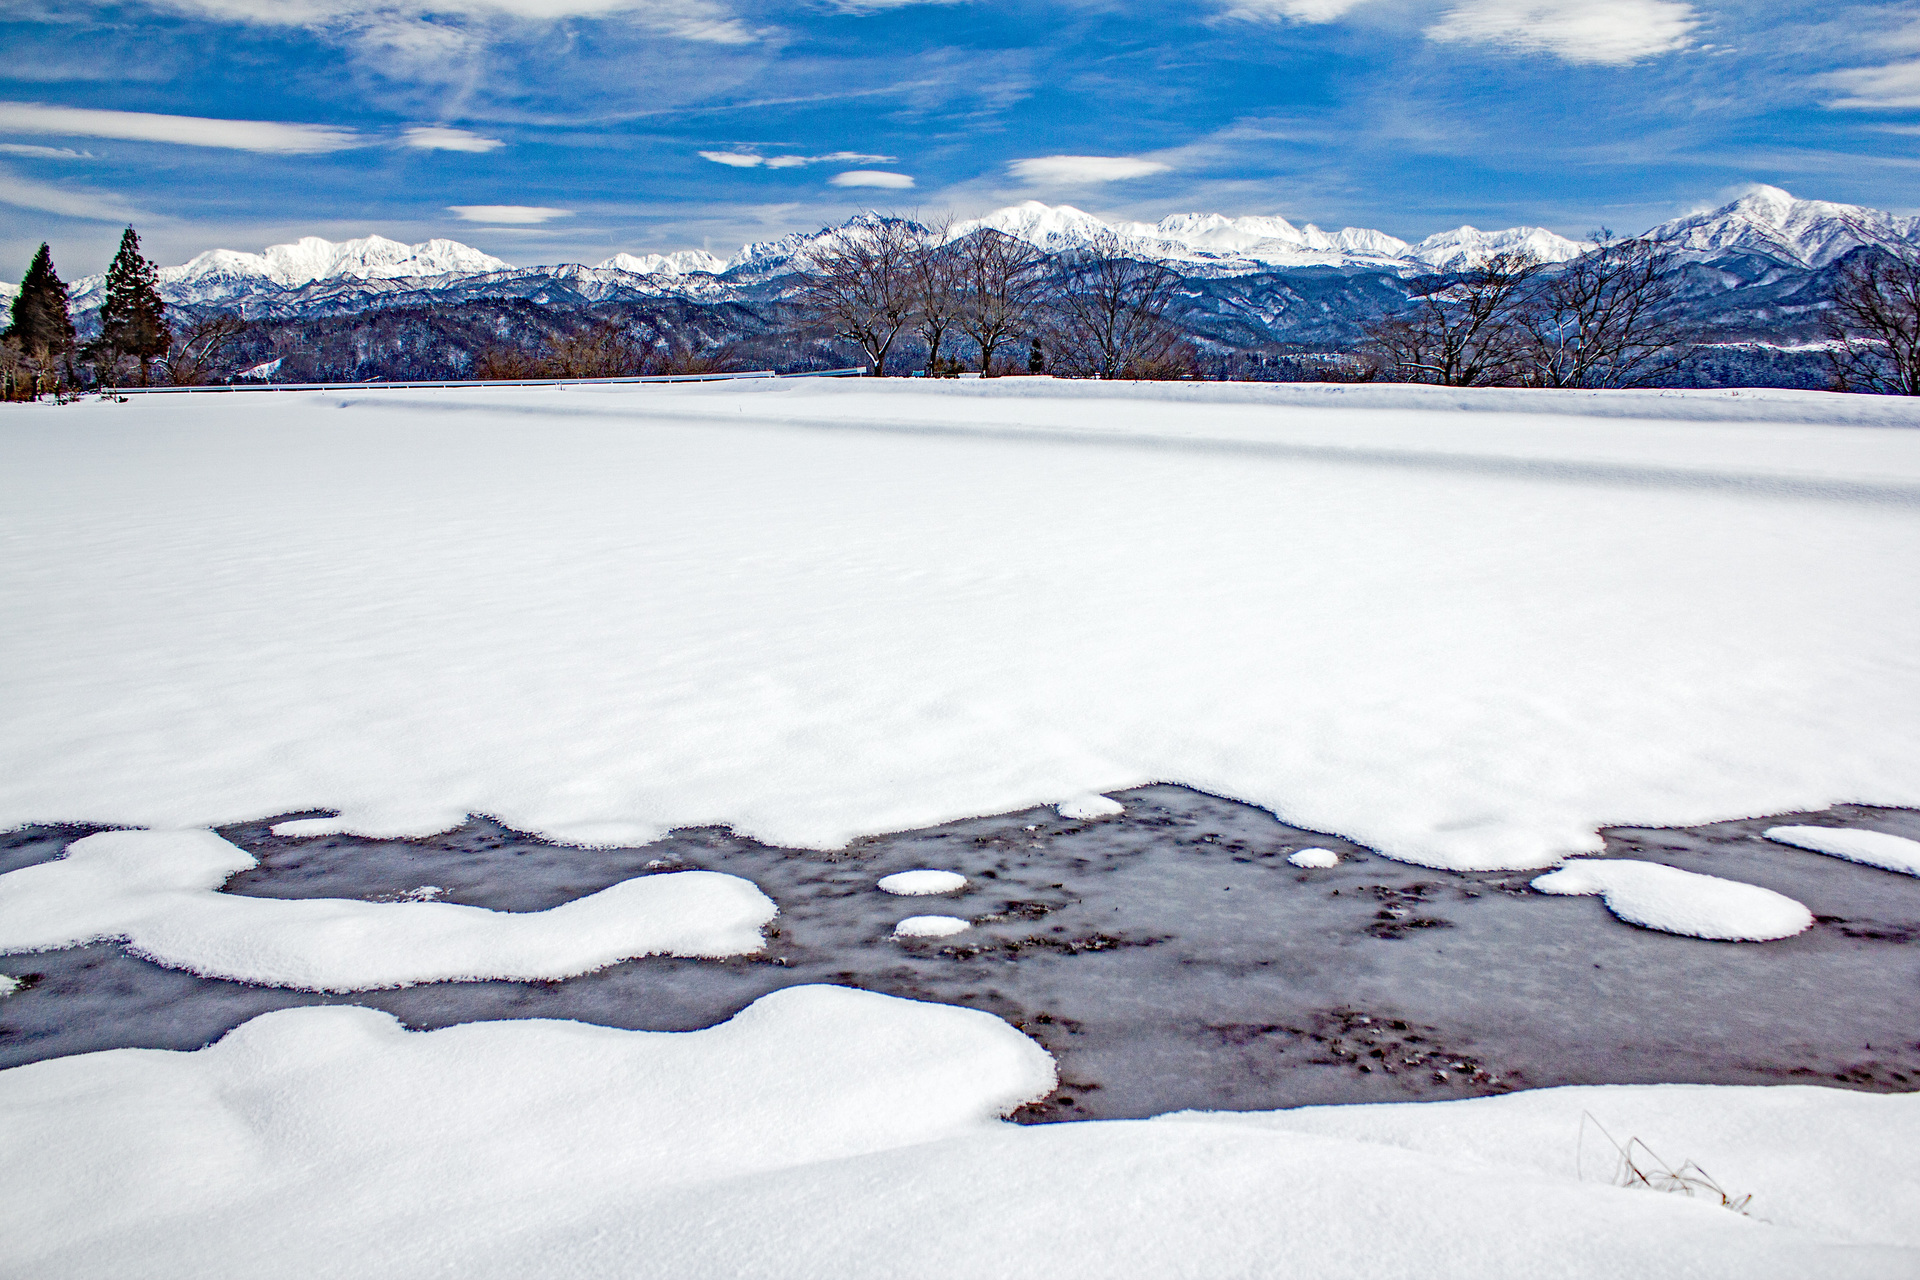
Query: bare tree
point(999, 279)
point(1604, 319)
point(862, 286)
point(936, 285)
point(1463, 329)
point(195, 351)
point(1873, 326)
point(1110, 313)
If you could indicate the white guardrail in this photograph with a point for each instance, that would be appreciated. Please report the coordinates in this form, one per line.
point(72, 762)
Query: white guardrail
point(456, 386)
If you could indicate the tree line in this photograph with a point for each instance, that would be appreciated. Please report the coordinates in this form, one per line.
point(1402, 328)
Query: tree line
point(994, 304)
point(40, 354)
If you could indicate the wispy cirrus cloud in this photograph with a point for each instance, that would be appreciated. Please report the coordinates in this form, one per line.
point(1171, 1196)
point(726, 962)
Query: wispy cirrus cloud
point(441, 138)
point(1297, 10)
point(1074, 170)
point(1611, 32)
point(508, 214)
point(752, 160)
point(266, 136)
point(68, 202)
point(1895, 87)
point(697, 20)
point(43, 153)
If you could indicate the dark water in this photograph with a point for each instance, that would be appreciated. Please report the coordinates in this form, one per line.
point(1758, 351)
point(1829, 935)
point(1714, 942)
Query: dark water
point(1168, 958)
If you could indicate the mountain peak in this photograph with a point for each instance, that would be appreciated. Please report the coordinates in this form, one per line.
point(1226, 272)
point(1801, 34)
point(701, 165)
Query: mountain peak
point(1777, 224)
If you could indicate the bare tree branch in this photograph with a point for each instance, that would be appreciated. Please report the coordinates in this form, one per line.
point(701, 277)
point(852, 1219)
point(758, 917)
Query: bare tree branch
point(1873, 327)
point(999, 287)
point(1605, 319)
point(1110, 313)
point(862, 286)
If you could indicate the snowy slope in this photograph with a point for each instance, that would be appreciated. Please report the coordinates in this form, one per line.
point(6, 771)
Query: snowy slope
point(685, 262)
point(826, 1133)
point(1415, 617)
point(224, 273)
point(1771, 222)
point(1212, 244)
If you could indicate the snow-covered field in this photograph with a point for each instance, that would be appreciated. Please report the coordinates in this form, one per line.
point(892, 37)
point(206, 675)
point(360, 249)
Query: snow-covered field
point(1465, 628)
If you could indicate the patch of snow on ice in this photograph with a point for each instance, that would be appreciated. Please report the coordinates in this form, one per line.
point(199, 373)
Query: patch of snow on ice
point(914, 883)
point(1318, 859)
point(930, 927)
point(1091, 806)
point(855, 1135)
point(8, 984)
point(156, 890)
point(1683, 902)
point(1873, 848)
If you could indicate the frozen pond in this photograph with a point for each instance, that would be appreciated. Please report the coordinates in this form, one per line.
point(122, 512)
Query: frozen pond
point(1170, 957)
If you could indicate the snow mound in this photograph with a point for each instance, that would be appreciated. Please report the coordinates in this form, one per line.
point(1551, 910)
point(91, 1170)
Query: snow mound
point(915, 883)
point(1873, 848)
point(1092, 806)
point(1684, 902)
point(930, 927)
point(1318, 859)
point(831, 1132)
point(156, 890)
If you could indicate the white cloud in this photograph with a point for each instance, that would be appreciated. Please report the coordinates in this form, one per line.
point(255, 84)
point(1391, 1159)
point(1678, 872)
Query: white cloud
point(1613, 32)
point(870, 178)
point(191, 131)
point(69, 202)
point(1068, 170)
point(1298, 10)
point(45, 153)
point(748, 160)
point(1889, 88)
point(440, 138)
point(507, 213)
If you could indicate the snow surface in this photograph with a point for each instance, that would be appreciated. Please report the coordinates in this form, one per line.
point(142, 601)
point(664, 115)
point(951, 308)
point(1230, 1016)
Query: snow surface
point(1314, 859)
point(1874, 848)
point(1091, 806)
point(1465, 628)
point(827, 1132)
point(930, 927)
point(156, 890)
point(1683, 902)
point(8, 984)
point(915, 883)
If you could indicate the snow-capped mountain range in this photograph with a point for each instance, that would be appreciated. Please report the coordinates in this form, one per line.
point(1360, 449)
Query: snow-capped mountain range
point(1766, 222)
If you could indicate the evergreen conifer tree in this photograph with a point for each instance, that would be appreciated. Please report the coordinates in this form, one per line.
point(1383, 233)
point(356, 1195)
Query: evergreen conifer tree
point(133, 319)
point(41, 328)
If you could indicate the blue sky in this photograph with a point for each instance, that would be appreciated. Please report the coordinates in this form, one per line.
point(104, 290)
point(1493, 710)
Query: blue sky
point(567, 130)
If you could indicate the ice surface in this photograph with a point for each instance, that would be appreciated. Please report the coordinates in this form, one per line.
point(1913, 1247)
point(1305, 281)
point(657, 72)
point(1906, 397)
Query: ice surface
point(1314, 859)
point(915, 883)
point(834, 1133)
point(1464, 627)
point(1874, 848)
point(1684, 902)
point(930, 927)
point(1091, 807)
point(1170, 958)
point(156, 889)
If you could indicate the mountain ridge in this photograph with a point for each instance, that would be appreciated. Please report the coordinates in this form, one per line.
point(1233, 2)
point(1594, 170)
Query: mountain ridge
point(1764, 236)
